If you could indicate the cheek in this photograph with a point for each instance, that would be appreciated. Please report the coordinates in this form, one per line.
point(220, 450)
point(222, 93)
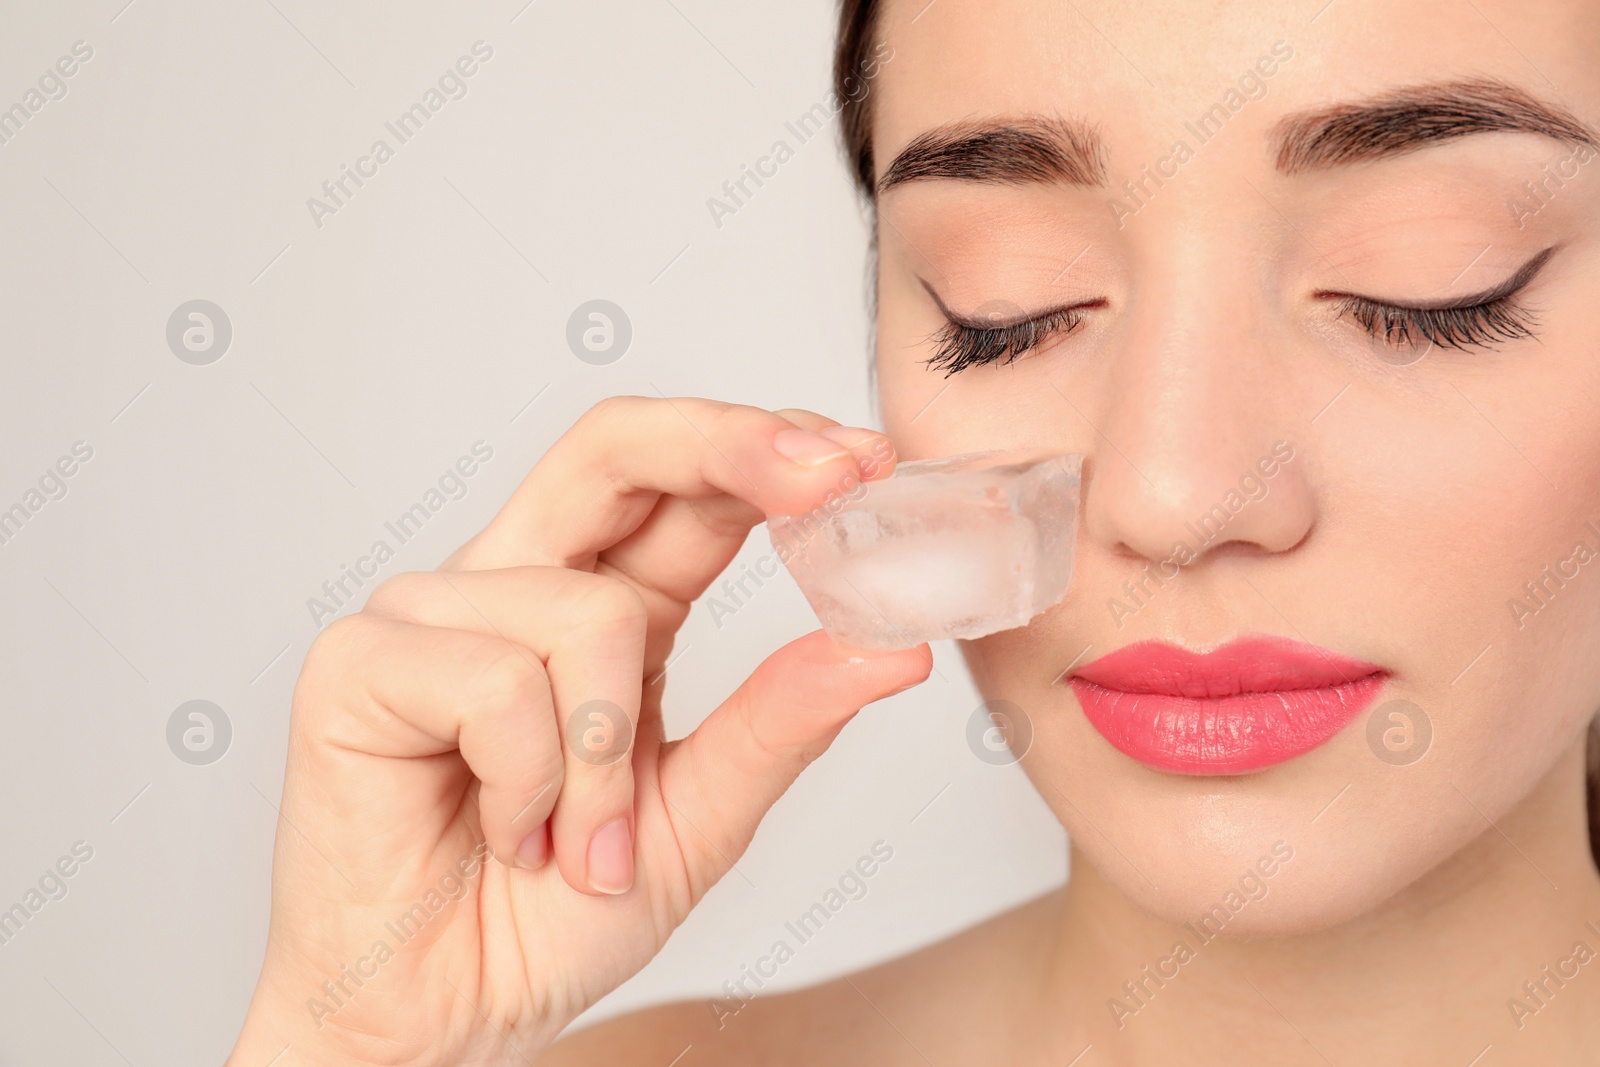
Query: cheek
point(1534, 582)
point(1441, 503)
point(1435, 510)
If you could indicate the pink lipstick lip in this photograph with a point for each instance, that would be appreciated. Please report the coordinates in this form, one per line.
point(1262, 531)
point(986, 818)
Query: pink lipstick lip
point(1251, 703)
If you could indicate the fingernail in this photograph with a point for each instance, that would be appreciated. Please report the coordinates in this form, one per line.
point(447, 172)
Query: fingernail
point(534, 850)
point(806, 448)
point(851, 437)
point(611, 858)
point(874, 451)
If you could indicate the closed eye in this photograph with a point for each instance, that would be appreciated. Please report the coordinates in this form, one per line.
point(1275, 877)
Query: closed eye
point(1481, 320)
point(1000, 333)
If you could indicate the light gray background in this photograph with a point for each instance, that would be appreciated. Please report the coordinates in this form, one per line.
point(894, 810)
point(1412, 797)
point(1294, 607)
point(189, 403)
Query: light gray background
point(367, 356)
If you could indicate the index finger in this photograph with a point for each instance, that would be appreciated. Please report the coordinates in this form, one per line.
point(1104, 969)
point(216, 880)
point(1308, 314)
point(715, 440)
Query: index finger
point(601, 480)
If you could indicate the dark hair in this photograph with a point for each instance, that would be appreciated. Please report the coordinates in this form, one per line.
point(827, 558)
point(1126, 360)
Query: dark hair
point(858, 23)
point(1594, 789)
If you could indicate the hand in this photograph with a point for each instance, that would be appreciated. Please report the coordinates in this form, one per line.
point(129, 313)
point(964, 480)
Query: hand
point(483, 830)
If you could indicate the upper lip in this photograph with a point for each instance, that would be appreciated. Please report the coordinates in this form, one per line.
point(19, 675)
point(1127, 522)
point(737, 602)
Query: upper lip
point(1256, 664)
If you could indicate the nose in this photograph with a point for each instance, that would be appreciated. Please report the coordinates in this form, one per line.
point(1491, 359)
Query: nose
point(1197, 427)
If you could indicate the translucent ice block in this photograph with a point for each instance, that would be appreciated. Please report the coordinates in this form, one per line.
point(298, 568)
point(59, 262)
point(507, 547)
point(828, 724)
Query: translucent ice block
point(959, 547)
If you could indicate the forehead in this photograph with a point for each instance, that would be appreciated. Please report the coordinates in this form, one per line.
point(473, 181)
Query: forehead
point(1138, 72)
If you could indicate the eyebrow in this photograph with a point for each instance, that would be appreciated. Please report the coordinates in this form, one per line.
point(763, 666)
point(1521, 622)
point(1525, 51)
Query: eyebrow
point(1037, 149)
point(1416, 117)
point(1019, 152)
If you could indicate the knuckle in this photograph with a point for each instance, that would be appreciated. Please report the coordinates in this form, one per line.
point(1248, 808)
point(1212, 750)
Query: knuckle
point(512, 693)
point(613, 411)
point(332, 677)
point(610, 605)
point(507, 681)
point(396, 595)
point(338, 643)
point(732, 420)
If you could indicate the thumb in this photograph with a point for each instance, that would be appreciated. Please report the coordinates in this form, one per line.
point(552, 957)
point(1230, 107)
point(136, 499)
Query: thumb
point(723, 777)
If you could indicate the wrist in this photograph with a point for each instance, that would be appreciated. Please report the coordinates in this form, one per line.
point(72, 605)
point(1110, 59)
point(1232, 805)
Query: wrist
point(264, 1040)
point(279, 1033)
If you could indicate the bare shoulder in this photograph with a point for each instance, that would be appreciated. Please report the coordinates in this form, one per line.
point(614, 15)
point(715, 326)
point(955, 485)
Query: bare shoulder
point(947, 998)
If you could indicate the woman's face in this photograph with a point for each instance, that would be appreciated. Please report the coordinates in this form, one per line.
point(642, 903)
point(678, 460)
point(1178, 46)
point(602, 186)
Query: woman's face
point(1194, 191)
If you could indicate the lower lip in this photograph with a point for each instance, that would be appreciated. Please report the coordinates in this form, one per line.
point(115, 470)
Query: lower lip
point(1223, 735)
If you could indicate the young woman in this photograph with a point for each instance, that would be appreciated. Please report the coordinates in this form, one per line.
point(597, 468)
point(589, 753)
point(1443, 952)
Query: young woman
point(1314, 290)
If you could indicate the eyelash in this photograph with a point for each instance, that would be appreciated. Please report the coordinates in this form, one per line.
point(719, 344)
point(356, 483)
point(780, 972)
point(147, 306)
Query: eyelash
point(1476, 325)
point(960, 346)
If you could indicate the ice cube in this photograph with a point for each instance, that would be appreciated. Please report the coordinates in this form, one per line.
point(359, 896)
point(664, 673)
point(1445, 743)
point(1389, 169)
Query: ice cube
point(959, 547)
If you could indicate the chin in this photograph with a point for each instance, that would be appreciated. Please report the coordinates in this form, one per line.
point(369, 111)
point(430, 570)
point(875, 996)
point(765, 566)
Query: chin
point(1285, 851)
